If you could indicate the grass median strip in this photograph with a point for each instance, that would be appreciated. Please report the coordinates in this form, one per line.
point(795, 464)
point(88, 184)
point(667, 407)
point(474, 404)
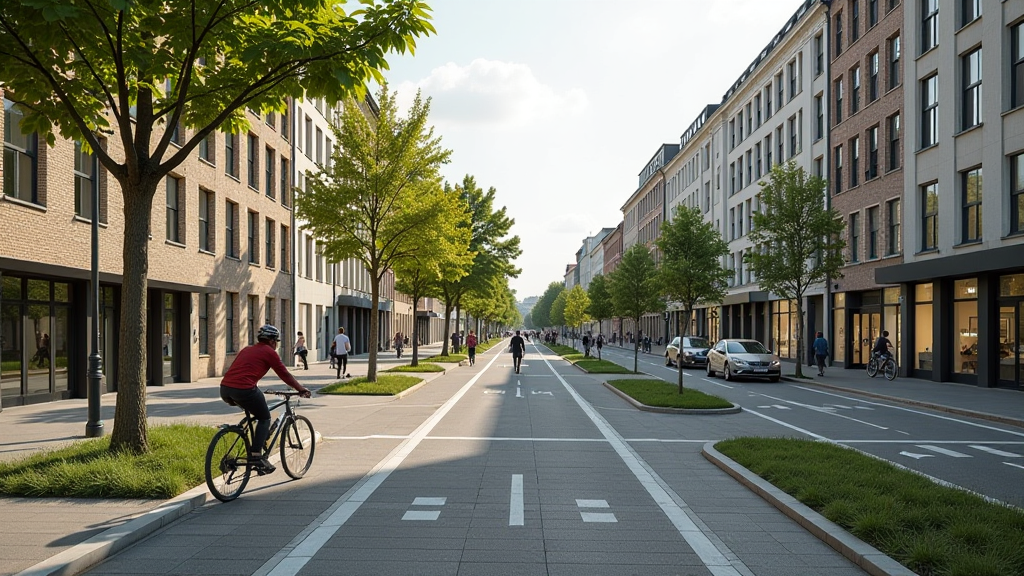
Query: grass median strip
point(664, 395)
point(87, 469)
point(422, 367)
point(386, 385)
point(931, 529)
point(451, 358)
point(590, 364)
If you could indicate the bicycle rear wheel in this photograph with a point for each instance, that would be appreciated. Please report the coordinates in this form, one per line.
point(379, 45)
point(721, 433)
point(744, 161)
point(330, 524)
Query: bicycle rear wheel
point(890, 370)
point(873, 367)
point(227, 466)
point(298, 443)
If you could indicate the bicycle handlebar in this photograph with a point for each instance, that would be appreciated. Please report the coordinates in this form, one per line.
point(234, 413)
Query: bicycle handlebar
point(281, 393)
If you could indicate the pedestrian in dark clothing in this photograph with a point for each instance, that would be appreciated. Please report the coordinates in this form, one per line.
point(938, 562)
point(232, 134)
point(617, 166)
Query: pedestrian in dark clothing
point(518, 346)
point(820, 352)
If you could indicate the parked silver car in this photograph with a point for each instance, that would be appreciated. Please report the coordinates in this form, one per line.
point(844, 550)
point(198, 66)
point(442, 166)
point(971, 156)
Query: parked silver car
point(692, 352)
point(736, 357)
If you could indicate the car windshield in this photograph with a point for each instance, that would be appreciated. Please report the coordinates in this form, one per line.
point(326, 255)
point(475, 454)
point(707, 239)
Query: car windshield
point(699, 343)
point(747, 348)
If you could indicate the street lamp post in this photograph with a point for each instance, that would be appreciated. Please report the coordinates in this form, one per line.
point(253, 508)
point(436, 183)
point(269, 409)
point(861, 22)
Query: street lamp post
point(94, 427)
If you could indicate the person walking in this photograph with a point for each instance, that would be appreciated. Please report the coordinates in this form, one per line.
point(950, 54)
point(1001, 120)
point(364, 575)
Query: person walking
point(399, 342)
point(586, 345)
point(471, 347)
point(820, 346)
point(518, 346)
point(600, 344)
point(340, 348)
point(300, 350)
point(455, 342)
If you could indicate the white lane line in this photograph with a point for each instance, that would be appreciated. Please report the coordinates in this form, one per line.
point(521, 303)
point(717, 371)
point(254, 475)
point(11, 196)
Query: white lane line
point(422, 515)
point(516, 516)
point(592, 503)
point(994, 451)
point(831, 411)
point(670, 503)
point(370, 437)
point(787, 425)
point(943, 451)
point(912, 411)
point(512, 439)
point(304, 546)
point(717, 383)
point(999, 442)
point(424, 501)
point(599, 517)
point(1014, 465)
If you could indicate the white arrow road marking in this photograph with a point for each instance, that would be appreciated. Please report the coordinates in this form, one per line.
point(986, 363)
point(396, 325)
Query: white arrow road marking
point(841, 406)
point(540, 392)
point(1014, 465)
point(494, 391)
point(917, 456)
point(863, 408)
point(781, 407)
point(516, 516)
point(994, 451)
point(519, 392)
point(826, 410)
point(944, 451)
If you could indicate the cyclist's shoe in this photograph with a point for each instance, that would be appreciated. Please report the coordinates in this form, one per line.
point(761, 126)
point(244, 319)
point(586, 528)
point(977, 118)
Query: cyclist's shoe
point(261, 465)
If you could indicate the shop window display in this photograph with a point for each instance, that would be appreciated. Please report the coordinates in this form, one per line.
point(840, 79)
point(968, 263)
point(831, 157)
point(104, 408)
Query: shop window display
point(923, 327)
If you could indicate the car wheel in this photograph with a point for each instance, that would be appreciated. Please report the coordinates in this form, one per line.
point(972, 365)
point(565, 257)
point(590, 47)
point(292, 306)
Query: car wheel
point(711, 373)
point(668, 361)
point(728, 373)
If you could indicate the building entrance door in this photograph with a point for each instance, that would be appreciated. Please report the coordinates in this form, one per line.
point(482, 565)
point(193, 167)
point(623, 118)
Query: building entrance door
point(1011, 342)
point(866, 328)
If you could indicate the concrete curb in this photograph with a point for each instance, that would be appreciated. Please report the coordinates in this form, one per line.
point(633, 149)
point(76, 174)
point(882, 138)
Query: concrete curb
point(663, 410)
point(868, 557)
point(81, 557)
point(919, 403)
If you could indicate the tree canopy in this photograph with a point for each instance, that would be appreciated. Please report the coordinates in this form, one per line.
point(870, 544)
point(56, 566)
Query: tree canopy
point(93, 69)
point(576, 304)
point(601, 306)
point(634, 288)
point(799, 242)
point(542, 309)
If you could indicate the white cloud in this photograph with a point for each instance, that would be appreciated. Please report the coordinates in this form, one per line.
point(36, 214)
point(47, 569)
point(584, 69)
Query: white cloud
point(492, 94)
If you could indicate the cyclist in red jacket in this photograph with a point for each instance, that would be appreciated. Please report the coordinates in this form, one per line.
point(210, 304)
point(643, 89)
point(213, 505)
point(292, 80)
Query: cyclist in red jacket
point(239, 387)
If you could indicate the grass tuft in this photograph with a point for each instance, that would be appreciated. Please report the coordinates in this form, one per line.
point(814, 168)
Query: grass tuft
point(662, 394)
point(421, 367)
point(928, 528)
point(386, 385)
point(451, 358)
point(87, 469)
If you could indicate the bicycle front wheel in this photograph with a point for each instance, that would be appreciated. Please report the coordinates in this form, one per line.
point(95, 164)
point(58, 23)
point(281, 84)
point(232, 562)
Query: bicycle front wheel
point(890, 370)
point(298, 443)
point(872, 367)
point(227, 466)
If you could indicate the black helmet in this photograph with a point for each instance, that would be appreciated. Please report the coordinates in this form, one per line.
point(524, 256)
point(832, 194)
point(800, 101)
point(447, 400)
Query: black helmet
point(268, 332)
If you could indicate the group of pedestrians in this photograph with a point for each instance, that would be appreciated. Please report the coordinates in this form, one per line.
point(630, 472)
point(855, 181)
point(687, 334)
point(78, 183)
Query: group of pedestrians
point(589, 341)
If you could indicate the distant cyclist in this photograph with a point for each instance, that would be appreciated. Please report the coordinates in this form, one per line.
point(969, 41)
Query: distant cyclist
point(882, 345)
point(239, 387)
point(518, 346)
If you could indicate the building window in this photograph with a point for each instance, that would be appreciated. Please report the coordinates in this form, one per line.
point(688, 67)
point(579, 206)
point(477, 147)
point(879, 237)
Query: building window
point(838, 25)
point(894, 62)
point(757, 160)
point(780, 144)
point(285, 267)
point(819, 54)
point(929, 24)
point(174, 198)
point(965, 325)
point(819, 115)
point(929, 216)
point(1017, 193)
point(231, 229)
point(854, 161)
point(1017, 65)
point(229, 322)
point(781, 87)
point(319, 145)
point(793, 137)
point(971, 66)
point(854, 21)
point(206, 147)
point(757, 110)
point(855, 237)
point(253, 232)
point(268, 311)
point(285, 119)
point(873, 232)
point(271, 236)
point(252, 314)
point(205, 212)
point(252, 163)
point(839, 101)
point(872, 171)
point(739, 124)
point(873, 77)
point(286, 190)
point(894, 141)
point(923, 355)
point(855, 91)
point(768, 153)
point(839, 169)
point(768, 101)
point(204, 323)
point(970, 10)
point(750, 125)
point(85, 181)
point(268, 167)
point(309, 138)
point(929, 111)
point(271, 119)
point(793, 79)
point(895, 243)
point(230, 160)
point(20, 156)
point(971, 206)
point(872, 13)
point(732, 134)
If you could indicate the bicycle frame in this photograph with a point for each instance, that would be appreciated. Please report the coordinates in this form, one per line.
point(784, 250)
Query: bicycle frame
point(276, 425)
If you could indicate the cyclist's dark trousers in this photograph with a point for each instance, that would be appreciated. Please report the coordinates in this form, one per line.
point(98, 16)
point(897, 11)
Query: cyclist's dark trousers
point(302, 356)
point(252, 401)
point(341, 363)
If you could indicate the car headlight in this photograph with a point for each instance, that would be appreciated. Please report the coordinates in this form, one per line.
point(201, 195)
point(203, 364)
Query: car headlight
point(739, 362)
point(776, 363)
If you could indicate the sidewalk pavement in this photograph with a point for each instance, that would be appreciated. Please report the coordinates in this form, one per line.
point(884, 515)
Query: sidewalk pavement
point(37, 531)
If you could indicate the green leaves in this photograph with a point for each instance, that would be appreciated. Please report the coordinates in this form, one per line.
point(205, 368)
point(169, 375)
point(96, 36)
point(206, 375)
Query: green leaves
point(576, 304)
point(634, 284)
point(691, 270)
point(601, 305)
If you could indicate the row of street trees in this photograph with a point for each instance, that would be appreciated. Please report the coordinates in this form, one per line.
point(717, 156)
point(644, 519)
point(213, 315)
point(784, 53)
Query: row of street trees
point(799, 244)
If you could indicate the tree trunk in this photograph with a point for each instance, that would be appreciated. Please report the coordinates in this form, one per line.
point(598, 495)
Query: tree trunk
point(415, 333)
point(687, 313)
point(130, 432)
point(636, 349)
point(447, 326)
point(799, 335)
point(371, 363)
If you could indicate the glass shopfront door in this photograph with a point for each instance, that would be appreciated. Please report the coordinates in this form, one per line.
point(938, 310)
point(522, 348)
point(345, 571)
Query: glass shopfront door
point(866, 328)
point(1011, 343)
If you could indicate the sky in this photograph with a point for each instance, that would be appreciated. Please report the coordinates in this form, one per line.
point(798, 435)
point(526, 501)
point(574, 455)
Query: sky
point(559, 104)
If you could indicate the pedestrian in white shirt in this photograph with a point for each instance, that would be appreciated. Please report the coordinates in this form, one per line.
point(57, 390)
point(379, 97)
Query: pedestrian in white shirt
point(341, 346)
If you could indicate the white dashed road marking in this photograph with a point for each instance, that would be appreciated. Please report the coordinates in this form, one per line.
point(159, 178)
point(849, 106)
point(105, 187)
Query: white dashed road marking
point(944, 451)
point(996, 452)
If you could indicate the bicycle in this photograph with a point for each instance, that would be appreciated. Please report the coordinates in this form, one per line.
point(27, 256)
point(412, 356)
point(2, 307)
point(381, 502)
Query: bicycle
point(887, 366)
point(227, 459)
